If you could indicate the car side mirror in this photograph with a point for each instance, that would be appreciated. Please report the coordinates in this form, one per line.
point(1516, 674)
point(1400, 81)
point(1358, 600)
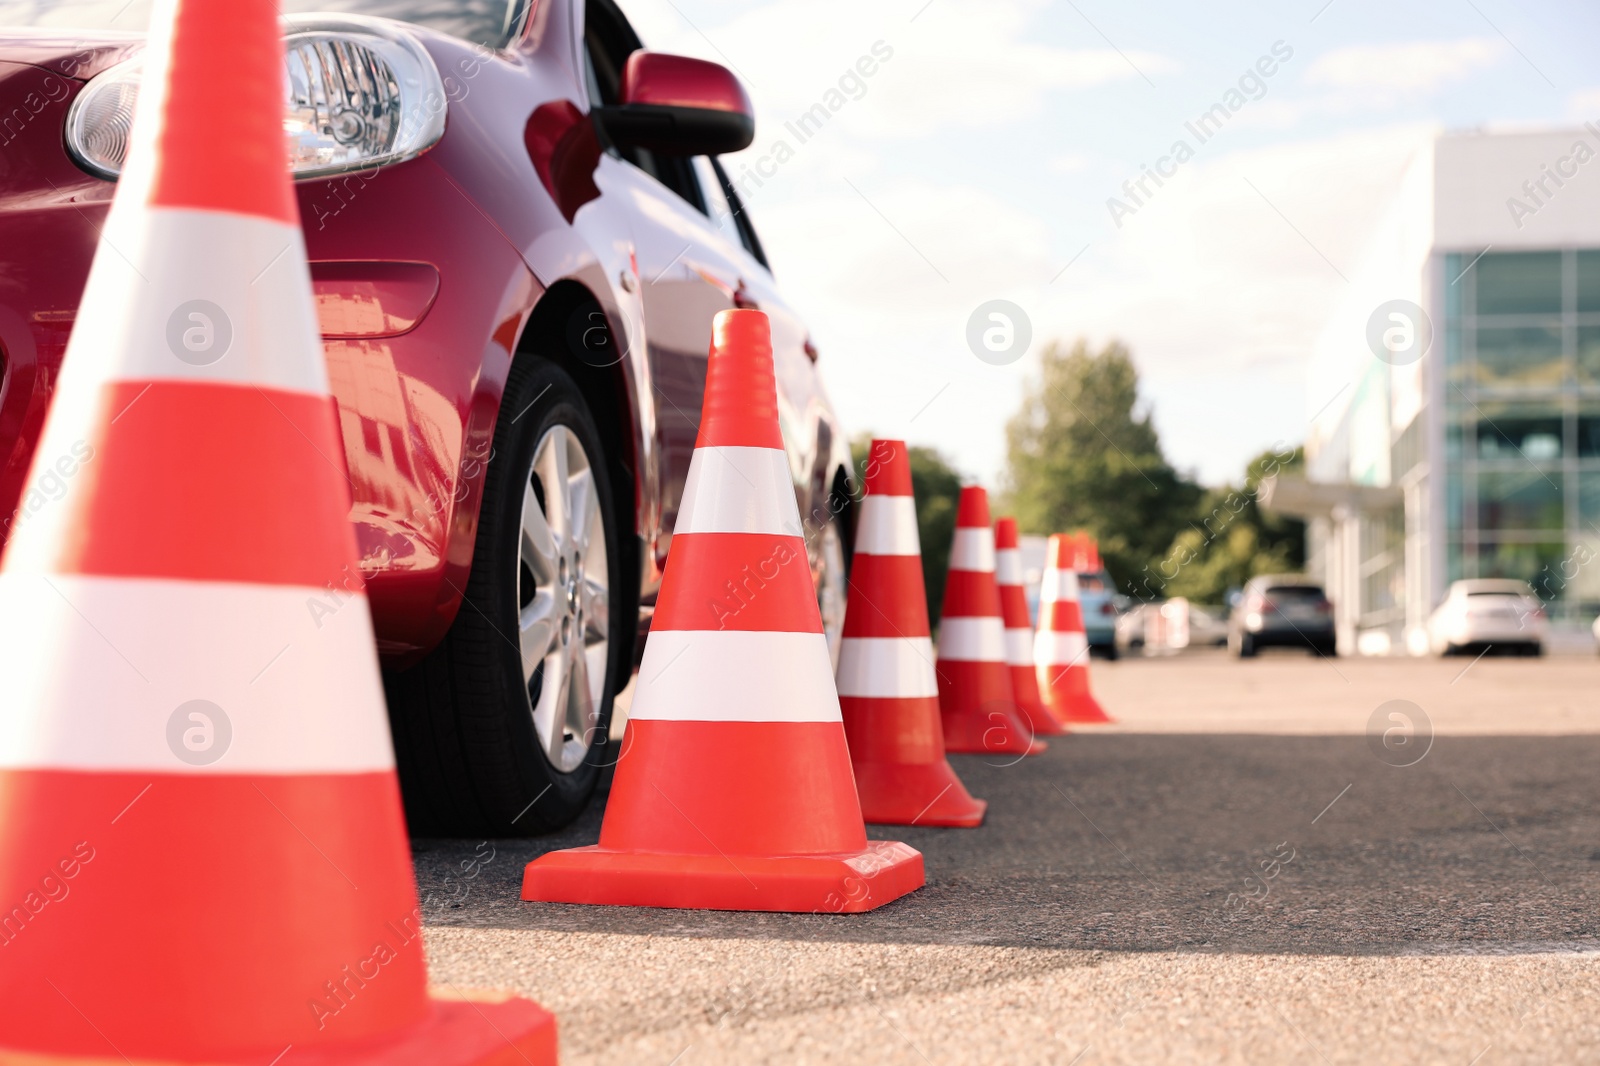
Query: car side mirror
point(679, 106)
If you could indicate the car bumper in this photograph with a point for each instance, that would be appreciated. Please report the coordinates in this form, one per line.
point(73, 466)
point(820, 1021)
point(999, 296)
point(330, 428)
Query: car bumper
point(1493, 633)
point(1299, 635)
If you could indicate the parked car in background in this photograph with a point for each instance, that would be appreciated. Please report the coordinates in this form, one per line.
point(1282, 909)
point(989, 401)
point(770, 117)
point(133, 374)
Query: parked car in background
point(1485, 613)
point(1282, 611)
point(1098, 596)
point(519, 234)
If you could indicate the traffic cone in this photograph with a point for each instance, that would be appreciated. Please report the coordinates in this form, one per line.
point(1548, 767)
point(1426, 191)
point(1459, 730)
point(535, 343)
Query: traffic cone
point(1019, 630)
point(887, 689)
point(202, 852)
point(734, 789)
point(1060, 647)
point(976, 700)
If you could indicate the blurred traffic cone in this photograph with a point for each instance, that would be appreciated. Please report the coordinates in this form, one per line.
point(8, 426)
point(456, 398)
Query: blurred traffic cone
point(1060, 647)
point(202, 853)
point(1019, 630)
point(734, 790)
point(978, 705)
point(887, 689)
point(1086, 552)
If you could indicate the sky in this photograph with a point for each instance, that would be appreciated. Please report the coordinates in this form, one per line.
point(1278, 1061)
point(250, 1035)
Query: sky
point(978, 159)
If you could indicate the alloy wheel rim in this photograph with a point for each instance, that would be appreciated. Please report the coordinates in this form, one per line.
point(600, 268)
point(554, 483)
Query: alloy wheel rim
point(829, 577)
point(564, 598)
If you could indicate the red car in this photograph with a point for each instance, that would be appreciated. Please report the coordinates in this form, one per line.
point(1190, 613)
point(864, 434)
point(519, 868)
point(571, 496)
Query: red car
point(519, 234)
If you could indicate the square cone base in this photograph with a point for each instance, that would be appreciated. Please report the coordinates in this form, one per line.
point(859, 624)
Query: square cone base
point(800, 884)
point(472, 1028)
point(477, 1029)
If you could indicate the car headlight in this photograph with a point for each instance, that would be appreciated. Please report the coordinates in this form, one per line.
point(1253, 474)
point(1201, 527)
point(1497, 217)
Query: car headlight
point(359, 93)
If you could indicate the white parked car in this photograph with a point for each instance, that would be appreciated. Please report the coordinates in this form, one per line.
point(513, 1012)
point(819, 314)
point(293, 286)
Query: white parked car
point(1485, 612)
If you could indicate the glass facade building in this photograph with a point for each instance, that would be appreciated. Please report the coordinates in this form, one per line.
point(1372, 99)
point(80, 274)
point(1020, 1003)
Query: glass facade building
point(1522, 422)
point(1478, 456)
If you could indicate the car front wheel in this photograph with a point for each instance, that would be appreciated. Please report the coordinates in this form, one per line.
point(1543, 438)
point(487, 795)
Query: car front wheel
point(503, 729)
point(832, 583)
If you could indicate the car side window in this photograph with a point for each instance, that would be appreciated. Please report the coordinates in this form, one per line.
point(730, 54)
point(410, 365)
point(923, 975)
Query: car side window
point(608, 41)
point(718, 210)
point(741, 217)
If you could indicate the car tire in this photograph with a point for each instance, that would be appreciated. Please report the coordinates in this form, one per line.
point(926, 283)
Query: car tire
point(1112, 653)
point(492, 740)
point(1247, 646)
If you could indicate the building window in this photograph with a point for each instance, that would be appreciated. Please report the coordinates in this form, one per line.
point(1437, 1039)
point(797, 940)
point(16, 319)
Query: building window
point(1521, 394)
point(1522, 355)
point(1519, 283)
point(1520, 501)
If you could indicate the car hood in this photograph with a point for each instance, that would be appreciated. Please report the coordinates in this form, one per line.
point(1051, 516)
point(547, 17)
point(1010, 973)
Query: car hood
point(73, 54)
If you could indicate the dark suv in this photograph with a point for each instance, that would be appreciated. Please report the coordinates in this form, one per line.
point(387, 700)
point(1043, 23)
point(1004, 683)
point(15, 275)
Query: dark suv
point(1283, 611)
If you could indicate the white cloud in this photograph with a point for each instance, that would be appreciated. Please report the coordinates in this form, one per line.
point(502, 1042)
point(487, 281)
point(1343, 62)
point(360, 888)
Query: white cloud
point(1221, 290)
point(910, 246)
point(1220, 298)
point(1415, 66)
point(1067, 163)
point(965, 63)
point(1584, 104)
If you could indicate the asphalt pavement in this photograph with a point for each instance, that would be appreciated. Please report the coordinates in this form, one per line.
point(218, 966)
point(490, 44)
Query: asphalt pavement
point(1249, 867)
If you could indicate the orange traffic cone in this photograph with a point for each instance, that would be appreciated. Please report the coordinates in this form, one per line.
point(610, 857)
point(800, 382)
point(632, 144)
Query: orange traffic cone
point(1019, 630)
point(202, 852)
point(976, 700)
point(734, 789)
point(887, 688)
point(1060, 648)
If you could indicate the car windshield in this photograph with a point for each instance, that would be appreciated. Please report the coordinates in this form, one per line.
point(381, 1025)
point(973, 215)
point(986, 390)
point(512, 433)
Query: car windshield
point(1295, 593)
point(487, 22)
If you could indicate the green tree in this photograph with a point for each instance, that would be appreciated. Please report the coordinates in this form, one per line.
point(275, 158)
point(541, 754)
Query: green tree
point(1231, 539)
point(1081, 456)
point(936, 485)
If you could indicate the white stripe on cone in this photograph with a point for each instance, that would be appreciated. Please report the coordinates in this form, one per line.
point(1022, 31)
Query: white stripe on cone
point(972, 640)
point(1059, 586)
point(158, 326)
point(126, 654)
point(738, 490)
point(1019, 647)
point(888, 526)
point(887, 667)
point(734, 676)
point(1008, 567)
point(973, 549)
point(1059, 649)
